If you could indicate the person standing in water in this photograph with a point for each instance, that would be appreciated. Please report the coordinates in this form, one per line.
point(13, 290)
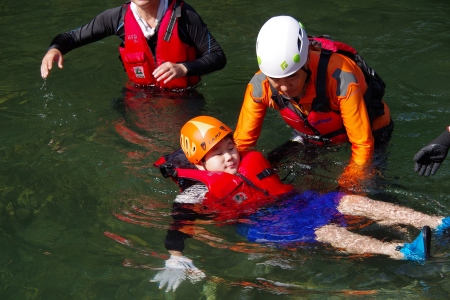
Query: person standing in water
point(164, 43)
point(320, 95)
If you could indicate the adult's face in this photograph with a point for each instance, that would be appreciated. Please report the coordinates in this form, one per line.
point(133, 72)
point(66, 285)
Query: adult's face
point(145, 3)
point(292, 85)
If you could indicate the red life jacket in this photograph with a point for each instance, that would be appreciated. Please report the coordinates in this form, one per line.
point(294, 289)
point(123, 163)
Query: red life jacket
point(254, 186)
point(373, 97)
point(138, 59)
point(317, 127)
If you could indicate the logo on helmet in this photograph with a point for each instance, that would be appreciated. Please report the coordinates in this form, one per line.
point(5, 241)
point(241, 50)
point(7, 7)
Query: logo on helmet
point(284, 65)
point(259, 60)
point(213, 140)
point(189, 148)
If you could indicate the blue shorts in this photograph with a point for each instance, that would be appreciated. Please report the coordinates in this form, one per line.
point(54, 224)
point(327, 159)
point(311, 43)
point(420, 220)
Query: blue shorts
point(294, 219)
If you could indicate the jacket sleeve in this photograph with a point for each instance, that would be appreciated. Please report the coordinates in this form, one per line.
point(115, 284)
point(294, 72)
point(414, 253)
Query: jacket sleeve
point(357, 124)
point(251, 117)
point(349, 87)
point(210, 55)
point(106, 24)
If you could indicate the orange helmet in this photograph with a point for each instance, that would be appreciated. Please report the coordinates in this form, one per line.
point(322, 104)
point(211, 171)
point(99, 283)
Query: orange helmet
point(199, 135)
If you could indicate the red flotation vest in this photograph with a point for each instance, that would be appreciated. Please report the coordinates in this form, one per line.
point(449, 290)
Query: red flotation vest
point(138, 59)
point(317, 127)
point(254, 186)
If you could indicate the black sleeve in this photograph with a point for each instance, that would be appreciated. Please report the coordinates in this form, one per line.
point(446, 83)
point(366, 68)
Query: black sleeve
point(108, 23)
point(181, 214)
point(175, 240)
point(210, 55)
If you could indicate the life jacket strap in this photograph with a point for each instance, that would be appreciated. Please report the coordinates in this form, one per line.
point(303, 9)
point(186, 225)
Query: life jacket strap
point(176, 13)
point(322, 103)
point(265, 173)
point(168, 170)
point(266, 193)
point(284, 103)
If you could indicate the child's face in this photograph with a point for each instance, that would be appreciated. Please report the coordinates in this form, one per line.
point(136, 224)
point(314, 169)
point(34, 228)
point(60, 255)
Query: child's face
point(223, 157)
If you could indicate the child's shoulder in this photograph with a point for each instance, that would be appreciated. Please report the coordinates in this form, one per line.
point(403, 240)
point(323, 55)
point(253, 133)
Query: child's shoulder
point(193, 194)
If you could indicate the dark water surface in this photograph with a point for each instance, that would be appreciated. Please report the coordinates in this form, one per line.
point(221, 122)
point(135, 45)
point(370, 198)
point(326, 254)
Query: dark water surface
point(83, 213)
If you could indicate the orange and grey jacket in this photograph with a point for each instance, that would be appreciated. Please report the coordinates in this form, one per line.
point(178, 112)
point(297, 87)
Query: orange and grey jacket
point(345, 89)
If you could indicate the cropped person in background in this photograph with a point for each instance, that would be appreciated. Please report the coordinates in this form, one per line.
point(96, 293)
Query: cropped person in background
point(164, 43)
point(226, 186)
point(429, 158)
point(322, 97)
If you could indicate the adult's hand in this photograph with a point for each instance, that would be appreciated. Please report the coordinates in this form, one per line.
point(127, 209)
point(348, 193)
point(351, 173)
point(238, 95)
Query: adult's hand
point(177, 269)
point(52, 55)
point(168, 71)
point(430, 157)
point(356, 178)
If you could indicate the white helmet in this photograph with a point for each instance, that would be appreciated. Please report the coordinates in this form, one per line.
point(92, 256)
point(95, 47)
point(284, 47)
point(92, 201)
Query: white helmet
point(281, 47)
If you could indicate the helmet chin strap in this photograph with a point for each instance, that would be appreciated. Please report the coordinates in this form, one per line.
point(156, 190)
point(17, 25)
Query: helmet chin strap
point(305, 85)
point(204, 165)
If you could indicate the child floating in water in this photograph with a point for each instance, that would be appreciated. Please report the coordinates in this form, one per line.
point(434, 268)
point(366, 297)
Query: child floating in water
point(219, 182)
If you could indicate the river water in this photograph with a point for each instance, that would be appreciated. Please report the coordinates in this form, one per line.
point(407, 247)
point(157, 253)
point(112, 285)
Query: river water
point(83, 213)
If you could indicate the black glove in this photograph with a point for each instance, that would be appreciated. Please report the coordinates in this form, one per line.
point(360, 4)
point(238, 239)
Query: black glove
point(430, 157)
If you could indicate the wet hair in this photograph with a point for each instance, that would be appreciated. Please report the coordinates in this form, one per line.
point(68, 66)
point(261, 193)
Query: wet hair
point(230, 137)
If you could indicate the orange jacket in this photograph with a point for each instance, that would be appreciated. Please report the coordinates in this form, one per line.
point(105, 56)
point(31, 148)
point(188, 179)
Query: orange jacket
point(345, 88)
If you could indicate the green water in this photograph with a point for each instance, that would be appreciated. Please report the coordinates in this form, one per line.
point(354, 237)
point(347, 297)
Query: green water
point(76, 162)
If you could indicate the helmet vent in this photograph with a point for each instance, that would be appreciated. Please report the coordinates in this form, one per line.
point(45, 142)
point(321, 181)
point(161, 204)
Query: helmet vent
point(299, 41)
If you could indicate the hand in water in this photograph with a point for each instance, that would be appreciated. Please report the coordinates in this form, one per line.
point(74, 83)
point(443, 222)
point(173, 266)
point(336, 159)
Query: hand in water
point(356, 178)
point(177, 269)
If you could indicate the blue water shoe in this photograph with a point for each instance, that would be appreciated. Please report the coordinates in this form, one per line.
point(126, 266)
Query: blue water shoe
point(419, 249)
point(442, 229)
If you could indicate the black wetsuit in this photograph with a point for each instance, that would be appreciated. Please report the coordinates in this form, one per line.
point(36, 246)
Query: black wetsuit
point(183, 213)
point(192, 31)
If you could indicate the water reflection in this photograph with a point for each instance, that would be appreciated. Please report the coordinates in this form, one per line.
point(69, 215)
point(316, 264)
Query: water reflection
point(155, 112)
point(150, 119)
point(66, 173)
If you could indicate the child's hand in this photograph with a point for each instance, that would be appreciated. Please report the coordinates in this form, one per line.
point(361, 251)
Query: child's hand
point(177, 269)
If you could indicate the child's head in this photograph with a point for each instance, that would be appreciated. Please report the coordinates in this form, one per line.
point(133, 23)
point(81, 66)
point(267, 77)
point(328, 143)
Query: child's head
point(208, 143)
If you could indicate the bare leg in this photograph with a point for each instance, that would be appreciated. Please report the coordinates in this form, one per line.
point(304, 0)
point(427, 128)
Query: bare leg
point(340, 237)
point(386, 213)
